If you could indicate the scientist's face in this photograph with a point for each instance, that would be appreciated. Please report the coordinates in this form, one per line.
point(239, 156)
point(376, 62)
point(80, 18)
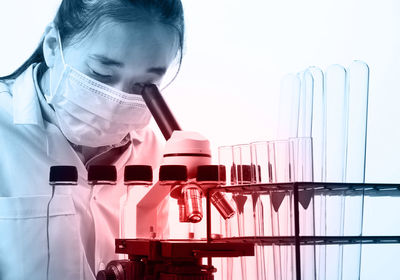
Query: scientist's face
point(117, 54)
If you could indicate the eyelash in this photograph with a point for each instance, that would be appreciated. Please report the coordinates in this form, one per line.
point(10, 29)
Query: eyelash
point(100, 75)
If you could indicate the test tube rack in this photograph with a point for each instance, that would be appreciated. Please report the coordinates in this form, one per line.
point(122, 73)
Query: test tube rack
point(296, 192)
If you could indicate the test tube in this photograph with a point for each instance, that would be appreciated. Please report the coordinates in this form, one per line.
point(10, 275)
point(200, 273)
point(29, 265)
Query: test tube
point(318, 132)
point(61, 179)
point(358, 73)
point(225, 158)
point(358, 84)
point(336, 135)
point(134, 176)
point(305, 104)
point(102, 178)
point(281, 207)
point(319, 164)
point(262, 214)
point(245, 204)
point(301, 158)
point(289, 107)
point(244, 173)
point(336, 118)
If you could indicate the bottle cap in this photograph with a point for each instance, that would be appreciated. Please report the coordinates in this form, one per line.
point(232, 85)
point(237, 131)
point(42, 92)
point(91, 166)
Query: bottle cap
point(102, 174)
point(138, 174)
point(211, 173)
point(173, 173)
point(63, 175)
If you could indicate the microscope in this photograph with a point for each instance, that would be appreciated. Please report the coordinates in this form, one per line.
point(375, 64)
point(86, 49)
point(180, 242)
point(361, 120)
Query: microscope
point(186, 174)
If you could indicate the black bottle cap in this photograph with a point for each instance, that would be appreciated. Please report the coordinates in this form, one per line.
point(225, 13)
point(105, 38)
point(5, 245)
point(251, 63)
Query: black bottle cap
point(138, 173)
point(102, 174)
point(63, 175)
point(173, 173)
point(214, 173)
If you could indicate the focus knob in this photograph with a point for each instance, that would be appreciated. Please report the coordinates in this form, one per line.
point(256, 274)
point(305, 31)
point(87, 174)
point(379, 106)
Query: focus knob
point(106, 275)
point(115, 270)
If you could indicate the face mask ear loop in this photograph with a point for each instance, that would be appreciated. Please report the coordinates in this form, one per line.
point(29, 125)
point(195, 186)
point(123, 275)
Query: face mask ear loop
point(60, 46)
point(47, 145)
point(49, 98)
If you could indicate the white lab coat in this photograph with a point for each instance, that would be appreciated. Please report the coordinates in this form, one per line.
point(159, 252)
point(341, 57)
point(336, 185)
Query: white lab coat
point(83, 224)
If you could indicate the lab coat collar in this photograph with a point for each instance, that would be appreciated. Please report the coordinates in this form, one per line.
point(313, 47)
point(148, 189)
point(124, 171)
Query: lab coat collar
point(137, 135)
point(25, 101)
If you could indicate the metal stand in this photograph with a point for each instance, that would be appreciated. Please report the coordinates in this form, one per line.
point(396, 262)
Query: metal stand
point(302, 191)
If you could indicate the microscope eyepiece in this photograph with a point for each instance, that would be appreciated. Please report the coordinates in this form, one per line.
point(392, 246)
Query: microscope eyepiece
point(160, 110)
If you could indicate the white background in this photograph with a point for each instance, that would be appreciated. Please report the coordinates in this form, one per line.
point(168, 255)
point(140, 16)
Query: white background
point(236, 53)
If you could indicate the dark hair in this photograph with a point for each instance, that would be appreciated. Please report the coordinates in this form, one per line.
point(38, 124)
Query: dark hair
point(77, 18)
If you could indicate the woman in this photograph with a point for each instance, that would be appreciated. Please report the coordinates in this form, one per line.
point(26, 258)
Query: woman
point(76, 102)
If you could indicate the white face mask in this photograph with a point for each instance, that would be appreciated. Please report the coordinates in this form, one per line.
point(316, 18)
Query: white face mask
point(94, 114)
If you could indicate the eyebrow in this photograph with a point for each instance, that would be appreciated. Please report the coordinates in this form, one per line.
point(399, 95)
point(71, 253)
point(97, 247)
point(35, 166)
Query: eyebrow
point(106, 60)
point(157, 70)
point(111, 62)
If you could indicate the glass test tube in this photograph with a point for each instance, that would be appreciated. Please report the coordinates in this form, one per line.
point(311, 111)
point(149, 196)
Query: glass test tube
point(245, 219)
point(225, 158)
point(301, 158)
point(261, 205)
point(318, 132)
point(358, 74)
point(336, 134)
point(61, 179)
point(100, 178)
point(281, 207)
point(343, 207)
point(249, 172)
point(358, 84)
point(336, 118)
point(134, 176)
point(288, 107)
point(305, 104)
point(319, 164)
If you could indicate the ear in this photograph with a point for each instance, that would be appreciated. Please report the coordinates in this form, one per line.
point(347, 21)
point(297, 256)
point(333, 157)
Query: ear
point(50, 45)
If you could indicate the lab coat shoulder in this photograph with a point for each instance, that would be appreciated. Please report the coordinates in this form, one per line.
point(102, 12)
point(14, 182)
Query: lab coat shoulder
point(7, 134)
point(6, 103)
point(19, 148)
